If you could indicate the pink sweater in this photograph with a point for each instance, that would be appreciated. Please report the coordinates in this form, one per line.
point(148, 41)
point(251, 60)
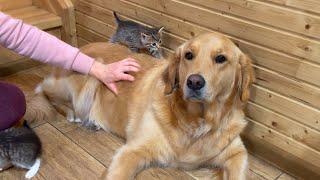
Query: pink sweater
point(32, 42)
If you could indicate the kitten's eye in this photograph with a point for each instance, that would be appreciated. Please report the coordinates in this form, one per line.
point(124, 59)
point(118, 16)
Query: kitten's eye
point(220, 59)
point(154, 44)
point(189, 55)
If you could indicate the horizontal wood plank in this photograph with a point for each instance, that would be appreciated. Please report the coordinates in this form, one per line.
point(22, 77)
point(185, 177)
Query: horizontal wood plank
point(304, 5)
point(300, 91)
point(82, 42)
point(262, 168)
point(90, 35)
point(66, 162)
point(284, 125)
point(266, 13)
point(285, 177)
point(284, 151)
point(304, 114)
point(37, 17)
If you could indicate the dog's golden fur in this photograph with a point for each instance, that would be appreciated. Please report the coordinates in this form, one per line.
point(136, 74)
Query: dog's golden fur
point(162, 125)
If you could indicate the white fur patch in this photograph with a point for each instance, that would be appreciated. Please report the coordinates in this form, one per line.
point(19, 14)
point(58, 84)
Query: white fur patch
point(70, 116)
point(34, 169)
point(78, 120)
point(38, 89)
point(204, 128)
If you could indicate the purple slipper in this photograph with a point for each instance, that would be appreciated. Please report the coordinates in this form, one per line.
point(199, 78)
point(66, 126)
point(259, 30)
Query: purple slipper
point(12, 105)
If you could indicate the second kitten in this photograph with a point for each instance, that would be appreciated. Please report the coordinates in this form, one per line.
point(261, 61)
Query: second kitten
point(137, 36)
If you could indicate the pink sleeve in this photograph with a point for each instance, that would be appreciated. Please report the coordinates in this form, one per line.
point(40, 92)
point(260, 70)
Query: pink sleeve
point(32, 42)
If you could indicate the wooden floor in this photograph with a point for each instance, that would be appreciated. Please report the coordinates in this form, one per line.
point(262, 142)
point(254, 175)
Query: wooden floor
point(72, 152)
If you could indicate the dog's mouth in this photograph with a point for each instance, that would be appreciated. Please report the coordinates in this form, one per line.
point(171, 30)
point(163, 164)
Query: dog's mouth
point(194, 95)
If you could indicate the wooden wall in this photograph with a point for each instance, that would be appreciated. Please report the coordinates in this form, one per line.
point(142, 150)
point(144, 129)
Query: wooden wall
point(281, 36)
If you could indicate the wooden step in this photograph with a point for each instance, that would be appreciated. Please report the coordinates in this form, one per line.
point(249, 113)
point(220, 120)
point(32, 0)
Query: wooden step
point(36, 17)
point(11, 4)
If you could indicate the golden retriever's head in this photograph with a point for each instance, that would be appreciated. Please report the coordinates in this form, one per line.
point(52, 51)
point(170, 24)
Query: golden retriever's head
point(209, 67)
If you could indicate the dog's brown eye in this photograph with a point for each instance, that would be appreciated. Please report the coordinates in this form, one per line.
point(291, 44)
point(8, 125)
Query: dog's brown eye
point(189, 55)
point(220, 59)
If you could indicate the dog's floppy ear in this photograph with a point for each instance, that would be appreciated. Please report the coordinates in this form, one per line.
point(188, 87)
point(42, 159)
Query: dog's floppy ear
point(171, 74)
point(246, 77)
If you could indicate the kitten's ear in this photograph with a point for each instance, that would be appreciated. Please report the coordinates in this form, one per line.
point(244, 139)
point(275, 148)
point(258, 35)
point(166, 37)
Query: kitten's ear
point(145, 38)
point(160, 30)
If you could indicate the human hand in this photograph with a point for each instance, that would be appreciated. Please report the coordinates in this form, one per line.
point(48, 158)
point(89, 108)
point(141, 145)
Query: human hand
point(109, 74)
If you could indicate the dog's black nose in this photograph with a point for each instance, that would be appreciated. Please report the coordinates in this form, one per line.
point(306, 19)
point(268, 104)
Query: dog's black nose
point(195, 82)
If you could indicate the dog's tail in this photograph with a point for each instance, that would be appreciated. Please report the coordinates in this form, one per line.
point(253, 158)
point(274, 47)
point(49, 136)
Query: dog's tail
point(118, 20)
point(39, 108)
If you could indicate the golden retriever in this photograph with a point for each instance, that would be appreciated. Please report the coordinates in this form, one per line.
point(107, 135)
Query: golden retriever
point(185, 112)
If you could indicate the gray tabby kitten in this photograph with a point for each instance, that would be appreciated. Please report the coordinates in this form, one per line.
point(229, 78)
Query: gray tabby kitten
point(137, 36)
point(20, 147)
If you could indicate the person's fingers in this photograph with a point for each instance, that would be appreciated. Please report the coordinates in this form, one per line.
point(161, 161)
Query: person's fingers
point(126, 77)
point(113, 88)
point(130, 59)
point(132, 63)
point(130, 69)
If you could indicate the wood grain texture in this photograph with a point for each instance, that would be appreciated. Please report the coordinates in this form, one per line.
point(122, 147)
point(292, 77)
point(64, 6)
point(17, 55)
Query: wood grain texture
point(286, 106)
point(285, 177)
point(37, 17)
point(9, 4)
point(279, 123)
point(262, 168)
point(305, 5)
point(274, 147)
point(266, 13)
point(82, 42)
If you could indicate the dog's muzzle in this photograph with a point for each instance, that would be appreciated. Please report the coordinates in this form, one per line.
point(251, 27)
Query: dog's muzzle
point(195, 87)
